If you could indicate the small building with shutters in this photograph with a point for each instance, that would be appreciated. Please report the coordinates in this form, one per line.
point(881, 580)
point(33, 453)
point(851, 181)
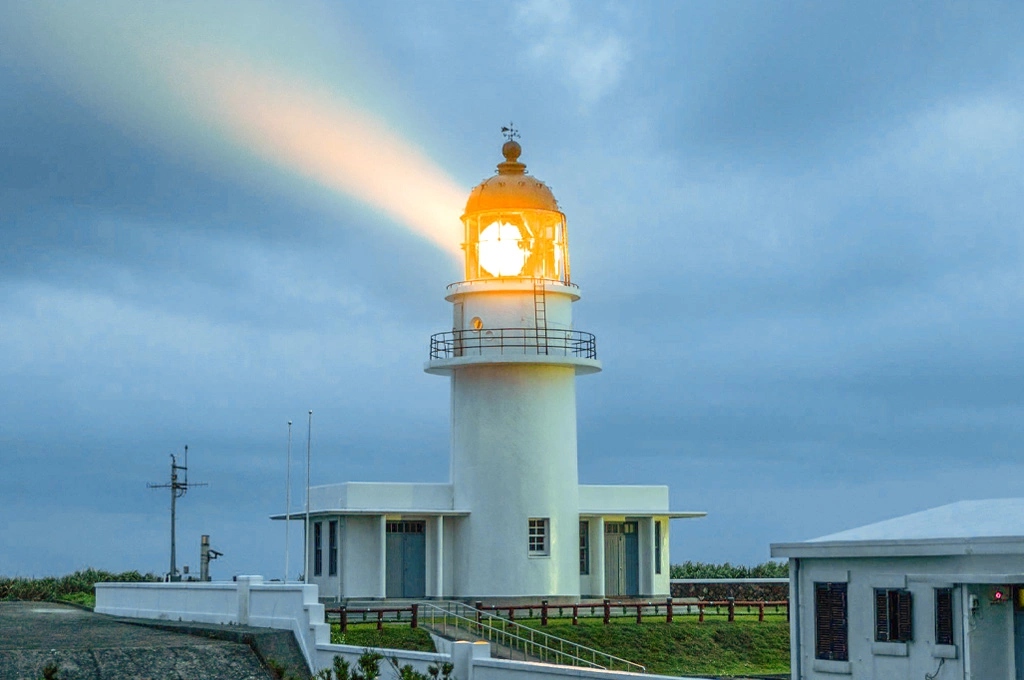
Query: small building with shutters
point(935, 594)
point(513, 522)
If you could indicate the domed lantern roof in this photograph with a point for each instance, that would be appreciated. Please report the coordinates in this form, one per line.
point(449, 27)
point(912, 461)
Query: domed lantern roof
point(511, 187)
point(513, 226)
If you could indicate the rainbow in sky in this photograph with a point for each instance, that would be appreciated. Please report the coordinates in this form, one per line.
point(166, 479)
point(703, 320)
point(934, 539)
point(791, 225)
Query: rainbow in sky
point(204, 79)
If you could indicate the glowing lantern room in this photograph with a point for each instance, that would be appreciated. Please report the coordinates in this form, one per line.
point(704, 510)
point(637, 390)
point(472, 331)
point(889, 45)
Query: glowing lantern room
point(514, 228)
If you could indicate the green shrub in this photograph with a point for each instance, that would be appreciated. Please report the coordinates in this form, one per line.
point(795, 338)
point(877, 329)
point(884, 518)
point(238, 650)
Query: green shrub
point(709, 570)
point(64, 587)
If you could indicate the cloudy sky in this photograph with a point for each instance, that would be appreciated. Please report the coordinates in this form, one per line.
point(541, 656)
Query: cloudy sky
point(797, 228)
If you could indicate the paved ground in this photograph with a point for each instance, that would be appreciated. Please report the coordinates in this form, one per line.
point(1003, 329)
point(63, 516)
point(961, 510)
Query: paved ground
point(90, 646)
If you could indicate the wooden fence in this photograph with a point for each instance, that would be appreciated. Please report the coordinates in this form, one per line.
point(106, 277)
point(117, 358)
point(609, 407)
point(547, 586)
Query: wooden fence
point(606, 610)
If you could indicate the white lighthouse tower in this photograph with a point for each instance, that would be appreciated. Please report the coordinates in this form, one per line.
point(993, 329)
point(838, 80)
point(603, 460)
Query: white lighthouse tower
point(513, 357)
point(512, 522)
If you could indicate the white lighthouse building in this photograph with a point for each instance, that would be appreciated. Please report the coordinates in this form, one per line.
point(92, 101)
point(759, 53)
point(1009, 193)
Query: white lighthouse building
point(512, 522)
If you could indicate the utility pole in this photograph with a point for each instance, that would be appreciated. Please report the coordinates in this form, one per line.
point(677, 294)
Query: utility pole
point(178, 489)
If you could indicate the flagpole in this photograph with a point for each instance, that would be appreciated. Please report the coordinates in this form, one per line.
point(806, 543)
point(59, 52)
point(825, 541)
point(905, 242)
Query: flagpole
point(288, 504)
point(309, 440)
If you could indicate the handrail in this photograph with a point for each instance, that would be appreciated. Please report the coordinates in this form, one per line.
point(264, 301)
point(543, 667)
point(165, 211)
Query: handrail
point(521, 279)
point(516, 637)
point(503, 341)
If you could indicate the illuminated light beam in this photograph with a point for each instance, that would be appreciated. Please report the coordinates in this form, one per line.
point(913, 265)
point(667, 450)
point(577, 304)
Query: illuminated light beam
point(328, 141)
point(174, 72)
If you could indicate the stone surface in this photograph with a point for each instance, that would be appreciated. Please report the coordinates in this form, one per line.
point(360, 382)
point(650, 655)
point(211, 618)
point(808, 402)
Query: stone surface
point(96, 647)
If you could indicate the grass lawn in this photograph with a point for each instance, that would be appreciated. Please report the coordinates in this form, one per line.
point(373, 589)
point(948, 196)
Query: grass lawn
point(394, 636)
point(686, 647)
point(85, 599)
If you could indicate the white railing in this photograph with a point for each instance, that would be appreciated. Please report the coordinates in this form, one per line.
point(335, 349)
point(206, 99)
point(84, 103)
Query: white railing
point(447, 617)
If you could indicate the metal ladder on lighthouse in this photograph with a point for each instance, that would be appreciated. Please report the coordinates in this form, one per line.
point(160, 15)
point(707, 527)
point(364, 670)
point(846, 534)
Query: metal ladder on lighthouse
point(540, 315)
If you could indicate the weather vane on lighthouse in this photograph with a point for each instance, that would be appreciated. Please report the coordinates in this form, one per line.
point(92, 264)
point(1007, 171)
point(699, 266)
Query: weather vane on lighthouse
point(510, 132)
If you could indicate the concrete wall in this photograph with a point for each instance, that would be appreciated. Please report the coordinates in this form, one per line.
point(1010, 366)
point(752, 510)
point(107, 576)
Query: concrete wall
point(327, 585)
point(361, 556)
point(248, 601)
point(663, 581)
point(502, 669)
point(376, 495)
point(294, 607)
point(325, 654)
point(990, 638)
point(399, 496)
point(986, 652)
point(610, 499)
point(592, 584)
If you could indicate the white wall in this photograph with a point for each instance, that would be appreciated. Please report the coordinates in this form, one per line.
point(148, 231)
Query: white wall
point(399, 496)
point(328, 586)
point(509, 304)
point(248, 601)
point(360, 555)
point(663, 581)
point(989, 643)
point(592, 584)
point(294, 607)
point(514, 458)
point(626, 499)
point(325, 654)
point(990, 640)
point(503, 669)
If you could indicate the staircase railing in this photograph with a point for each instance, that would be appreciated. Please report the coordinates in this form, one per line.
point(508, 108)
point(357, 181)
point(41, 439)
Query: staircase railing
point(447, 617)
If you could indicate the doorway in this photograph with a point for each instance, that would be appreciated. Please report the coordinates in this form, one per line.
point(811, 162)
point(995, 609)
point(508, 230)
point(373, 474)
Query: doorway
point(621, 559)
point(406, 569)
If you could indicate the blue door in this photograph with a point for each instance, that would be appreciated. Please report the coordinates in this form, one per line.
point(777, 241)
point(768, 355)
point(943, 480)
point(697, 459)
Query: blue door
point(406, 569)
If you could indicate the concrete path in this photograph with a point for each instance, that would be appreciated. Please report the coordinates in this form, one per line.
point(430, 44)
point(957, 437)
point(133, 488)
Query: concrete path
point(88, 646)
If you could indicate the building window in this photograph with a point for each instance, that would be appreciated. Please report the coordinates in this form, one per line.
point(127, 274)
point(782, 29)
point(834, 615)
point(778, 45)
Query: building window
point(830, 638)
point(893, 615)
point(318, 544)
point(943, 616)
point(332, 548)
point(584, 548)
point(538, 536)
point(657, 547)
point(406, 527)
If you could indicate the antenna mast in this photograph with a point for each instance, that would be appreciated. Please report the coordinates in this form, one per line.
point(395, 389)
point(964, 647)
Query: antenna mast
point(178, 489)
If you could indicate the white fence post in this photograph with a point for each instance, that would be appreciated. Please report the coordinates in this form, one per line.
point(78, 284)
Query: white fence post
point(243, 596)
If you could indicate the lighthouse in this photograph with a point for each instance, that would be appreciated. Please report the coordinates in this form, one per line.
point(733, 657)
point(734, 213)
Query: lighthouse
point(512, 522)
point(513, 356)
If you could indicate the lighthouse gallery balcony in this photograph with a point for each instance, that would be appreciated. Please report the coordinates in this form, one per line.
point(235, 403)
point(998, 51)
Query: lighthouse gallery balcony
point(513, 341)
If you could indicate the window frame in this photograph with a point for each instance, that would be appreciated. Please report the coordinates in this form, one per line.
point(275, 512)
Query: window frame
point(538, 537)
point(940, 634)
point(894, 615)
point(584, 547)
point(657, 546)
point(318, 545)
point(831, 609)
point(332, 548)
